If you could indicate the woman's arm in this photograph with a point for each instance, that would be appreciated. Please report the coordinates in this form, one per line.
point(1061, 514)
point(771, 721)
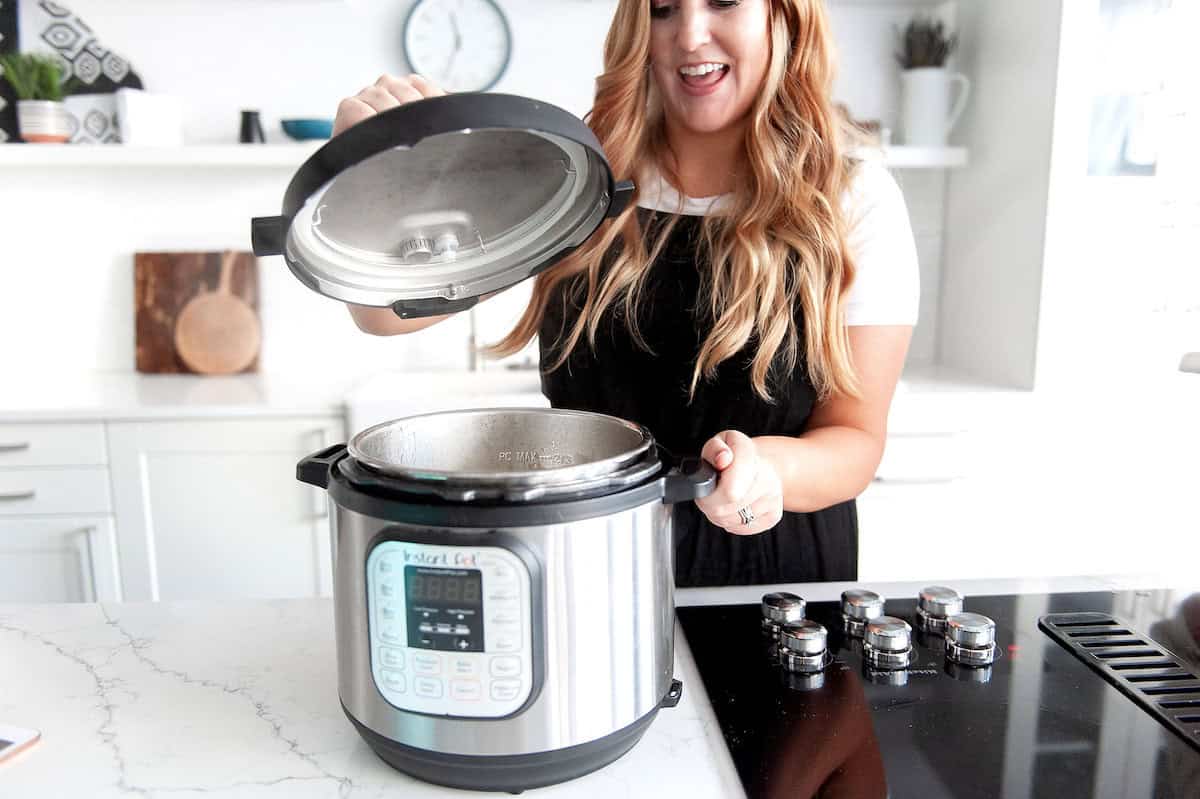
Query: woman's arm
point(836, 457)
point(831, 462)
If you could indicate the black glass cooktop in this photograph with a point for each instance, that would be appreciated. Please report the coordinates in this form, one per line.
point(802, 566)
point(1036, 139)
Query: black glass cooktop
point(1038, 722)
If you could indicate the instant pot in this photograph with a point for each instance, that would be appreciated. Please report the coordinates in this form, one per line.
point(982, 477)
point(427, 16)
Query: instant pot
point(504, 590)
point(503, 582)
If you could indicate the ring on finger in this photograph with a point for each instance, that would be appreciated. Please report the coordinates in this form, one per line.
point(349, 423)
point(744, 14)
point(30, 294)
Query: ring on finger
point(746, 515)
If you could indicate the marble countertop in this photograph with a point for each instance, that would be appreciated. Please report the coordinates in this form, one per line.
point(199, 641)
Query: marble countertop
point(239, 699)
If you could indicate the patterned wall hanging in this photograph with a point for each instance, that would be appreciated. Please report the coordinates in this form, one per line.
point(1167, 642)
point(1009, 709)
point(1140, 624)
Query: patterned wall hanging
point(99, 72)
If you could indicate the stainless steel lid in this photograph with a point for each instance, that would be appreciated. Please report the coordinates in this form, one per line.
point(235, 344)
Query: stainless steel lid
point(429, 206)
point(509, 448)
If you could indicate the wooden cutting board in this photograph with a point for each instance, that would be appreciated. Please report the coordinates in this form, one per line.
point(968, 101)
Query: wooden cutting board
point(164, 283)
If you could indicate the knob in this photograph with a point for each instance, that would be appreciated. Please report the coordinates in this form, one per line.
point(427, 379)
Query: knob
point(418, 249)
point(779, 608)
point(859, 607)
point(802, 646)
point(887, 643)
point(934, 604)
point(970, 639)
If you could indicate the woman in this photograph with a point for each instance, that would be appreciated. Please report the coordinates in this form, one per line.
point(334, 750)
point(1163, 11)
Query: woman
point(757, 304)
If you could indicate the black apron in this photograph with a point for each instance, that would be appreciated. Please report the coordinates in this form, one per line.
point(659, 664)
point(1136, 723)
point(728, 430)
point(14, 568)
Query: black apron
point(621, 379)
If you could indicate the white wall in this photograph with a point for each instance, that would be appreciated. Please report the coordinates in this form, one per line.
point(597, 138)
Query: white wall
point(70, 232)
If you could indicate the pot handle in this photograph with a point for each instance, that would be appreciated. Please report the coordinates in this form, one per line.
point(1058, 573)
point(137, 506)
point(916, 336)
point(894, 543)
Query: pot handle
point(314, 469)
point(266, 234)
point(691, 479)
point(674, 694)
point(622, 194)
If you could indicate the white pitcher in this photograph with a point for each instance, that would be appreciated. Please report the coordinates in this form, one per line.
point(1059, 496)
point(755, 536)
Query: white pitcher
point(926, 118)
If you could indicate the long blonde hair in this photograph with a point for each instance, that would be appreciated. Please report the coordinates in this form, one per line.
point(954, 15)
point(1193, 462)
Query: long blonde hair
point(780, 245)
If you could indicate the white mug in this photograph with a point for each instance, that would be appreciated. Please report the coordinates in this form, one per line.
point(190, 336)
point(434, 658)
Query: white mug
point(926, 117)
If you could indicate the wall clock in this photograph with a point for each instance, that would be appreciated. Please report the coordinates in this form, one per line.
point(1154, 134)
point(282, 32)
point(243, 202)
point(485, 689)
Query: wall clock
point(460, 45)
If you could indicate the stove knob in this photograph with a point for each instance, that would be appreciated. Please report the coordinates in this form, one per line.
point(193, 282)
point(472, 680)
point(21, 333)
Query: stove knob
point(934, 604)
point(802, 646)
point(779, 608)
point(887, 643)
point(970, 639)
point(859, 607)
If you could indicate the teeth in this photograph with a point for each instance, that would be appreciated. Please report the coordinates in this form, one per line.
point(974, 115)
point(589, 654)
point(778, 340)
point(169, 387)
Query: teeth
point(701, 69)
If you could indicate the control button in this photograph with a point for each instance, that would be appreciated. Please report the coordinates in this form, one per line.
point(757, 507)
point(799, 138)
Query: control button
point(428, 687)
point(390, 633)
point(887, 643)
point(935, 604)
point(393, 680)
point(426, 664)
point(505, 666)
point(392, 658)
point(462, 644)
point(505, 690)
point(462, 629)
point(425, 627)
point(385, 566)
point(468, 690)
point(501, 572)
point(781, 606)
point(506, 643)
point(444, 629)
point(503, 595)
point(970, 639)
point(387, 588)
point(507, 618)
point(463, 667)
point(388, 611)
point(858, 608)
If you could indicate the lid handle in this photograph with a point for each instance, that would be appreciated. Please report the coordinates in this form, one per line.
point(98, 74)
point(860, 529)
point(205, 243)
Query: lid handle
point(622, 194)
point(266, 234)
point(431, 306)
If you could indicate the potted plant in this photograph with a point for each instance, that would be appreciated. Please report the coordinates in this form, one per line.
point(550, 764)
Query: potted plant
point(926, 117)
point(38, 82)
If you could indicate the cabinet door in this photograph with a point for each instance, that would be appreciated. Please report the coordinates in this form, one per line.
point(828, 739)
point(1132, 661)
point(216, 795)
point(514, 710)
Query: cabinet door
point(58, 559)
point(212, 509)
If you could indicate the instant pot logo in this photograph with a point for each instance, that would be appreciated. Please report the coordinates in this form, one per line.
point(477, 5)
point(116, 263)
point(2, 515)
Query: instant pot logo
point(460, 559)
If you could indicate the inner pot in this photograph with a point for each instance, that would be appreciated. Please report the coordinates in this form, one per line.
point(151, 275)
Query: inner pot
point(508, 447)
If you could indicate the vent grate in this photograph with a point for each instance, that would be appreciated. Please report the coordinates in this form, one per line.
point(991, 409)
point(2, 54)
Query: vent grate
point(1134, 665)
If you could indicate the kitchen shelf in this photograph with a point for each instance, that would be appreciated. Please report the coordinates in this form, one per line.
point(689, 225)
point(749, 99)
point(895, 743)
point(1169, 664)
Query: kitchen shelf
point(199, 155)
point(290, 156)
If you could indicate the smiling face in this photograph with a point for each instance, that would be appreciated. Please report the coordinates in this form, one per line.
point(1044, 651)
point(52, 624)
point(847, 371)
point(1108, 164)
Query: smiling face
point(708, 59)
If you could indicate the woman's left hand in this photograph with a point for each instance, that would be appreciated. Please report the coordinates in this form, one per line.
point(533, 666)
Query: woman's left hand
point(746, 481)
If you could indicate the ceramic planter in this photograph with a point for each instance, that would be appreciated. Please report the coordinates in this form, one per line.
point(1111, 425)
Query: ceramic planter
point(43, 121)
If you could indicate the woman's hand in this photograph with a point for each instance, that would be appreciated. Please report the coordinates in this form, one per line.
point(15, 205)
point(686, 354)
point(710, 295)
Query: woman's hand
point(746, 481)
point(387, 92)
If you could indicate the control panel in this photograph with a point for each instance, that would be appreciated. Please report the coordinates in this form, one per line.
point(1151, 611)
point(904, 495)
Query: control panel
point(450, 628)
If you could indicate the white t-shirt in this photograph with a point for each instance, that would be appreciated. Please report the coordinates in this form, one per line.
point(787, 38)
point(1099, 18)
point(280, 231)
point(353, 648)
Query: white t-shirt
point(887, 285)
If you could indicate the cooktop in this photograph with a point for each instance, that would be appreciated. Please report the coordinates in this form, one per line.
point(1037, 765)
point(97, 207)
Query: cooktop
point(1045, 695)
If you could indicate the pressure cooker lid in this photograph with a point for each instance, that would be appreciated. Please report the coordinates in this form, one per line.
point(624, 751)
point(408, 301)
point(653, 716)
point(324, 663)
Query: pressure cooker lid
point(430, 205)
point(508, 448)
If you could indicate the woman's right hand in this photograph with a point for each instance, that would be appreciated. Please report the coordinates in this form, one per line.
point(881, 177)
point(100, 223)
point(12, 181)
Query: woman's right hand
point(387, 92)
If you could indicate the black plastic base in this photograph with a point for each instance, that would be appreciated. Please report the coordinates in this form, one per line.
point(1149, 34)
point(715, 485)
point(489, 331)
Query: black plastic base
point(511, 773)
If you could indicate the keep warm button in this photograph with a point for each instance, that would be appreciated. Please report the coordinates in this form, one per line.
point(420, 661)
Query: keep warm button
point(505, 690)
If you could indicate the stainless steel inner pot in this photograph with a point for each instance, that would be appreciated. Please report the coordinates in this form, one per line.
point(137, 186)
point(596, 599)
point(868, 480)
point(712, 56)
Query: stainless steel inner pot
point(506, 447)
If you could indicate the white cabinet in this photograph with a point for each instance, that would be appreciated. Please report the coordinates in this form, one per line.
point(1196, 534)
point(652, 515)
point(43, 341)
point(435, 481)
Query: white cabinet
point(211, 509)
point(57, 539)
point(62, 559)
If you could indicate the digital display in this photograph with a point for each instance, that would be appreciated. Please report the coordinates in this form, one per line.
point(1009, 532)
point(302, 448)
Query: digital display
point(445, 608)
point(424, 586)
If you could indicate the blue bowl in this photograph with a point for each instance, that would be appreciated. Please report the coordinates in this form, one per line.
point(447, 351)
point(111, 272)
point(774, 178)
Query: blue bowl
point(302, 129)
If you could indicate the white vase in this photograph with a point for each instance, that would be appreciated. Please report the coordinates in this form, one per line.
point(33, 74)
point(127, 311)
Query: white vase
point(926, 117)
point(43, 121)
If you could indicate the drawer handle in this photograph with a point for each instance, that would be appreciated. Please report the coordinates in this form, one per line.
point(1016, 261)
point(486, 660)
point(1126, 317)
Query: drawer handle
point(14, 447)
point(18, 495)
